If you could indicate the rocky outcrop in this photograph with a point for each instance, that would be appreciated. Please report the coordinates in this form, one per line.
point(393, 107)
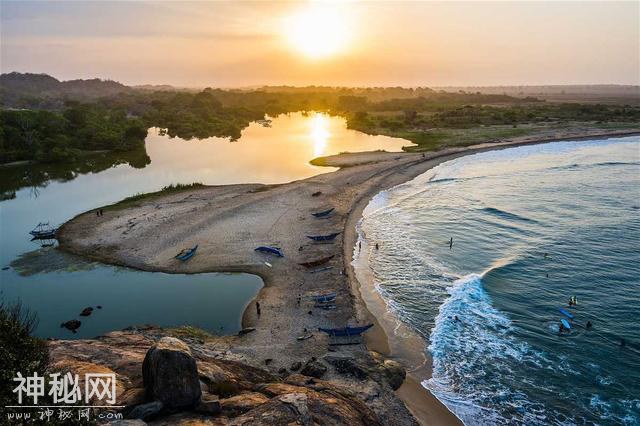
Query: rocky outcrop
point(166, 381)
point(170, 374)
point(313, 368)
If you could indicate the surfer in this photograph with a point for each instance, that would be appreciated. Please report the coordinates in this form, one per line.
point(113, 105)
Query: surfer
point(561, 328)
point(451, 243)
point(456, 319)
point(589, 325)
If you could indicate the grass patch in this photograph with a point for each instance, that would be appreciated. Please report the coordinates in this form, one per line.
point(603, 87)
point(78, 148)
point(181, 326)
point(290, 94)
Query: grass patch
point(135, 200)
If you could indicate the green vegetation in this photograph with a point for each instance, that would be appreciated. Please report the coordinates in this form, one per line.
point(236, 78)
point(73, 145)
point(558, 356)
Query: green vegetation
point(48, 136)
point(118, 116)
point(190, 332)
point(19, 351)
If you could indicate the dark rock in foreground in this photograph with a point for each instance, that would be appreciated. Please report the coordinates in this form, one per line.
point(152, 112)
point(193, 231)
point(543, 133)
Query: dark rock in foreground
point(170, 374)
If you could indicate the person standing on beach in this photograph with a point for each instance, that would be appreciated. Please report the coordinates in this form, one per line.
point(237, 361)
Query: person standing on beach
point(377, 246)
point(359, 246)
point(451, 243)
point(258, 308)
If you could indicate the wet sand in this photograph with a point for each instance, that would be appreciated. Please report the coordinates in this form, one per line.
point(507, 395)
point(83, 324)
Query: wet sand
point(228, 222)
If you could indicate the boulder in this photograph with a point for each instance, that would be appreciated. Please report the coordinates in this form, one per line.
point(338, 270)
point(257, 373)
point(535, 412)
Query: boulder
point(347, 366)
point(170, 374)
point(146, 411)
point(314, 368)
point(71, 325)
point(296, 366)
point(391, 371)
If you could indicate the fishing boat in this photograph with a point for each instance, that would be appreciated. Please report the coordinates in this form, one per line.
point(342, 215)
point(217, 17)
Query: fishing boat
point(270, 250)
point(329, 237)
point(323, 298)
point(43, 232)
point(187, 254)
point(324, 213)
point(318, 262)
point(346, 331)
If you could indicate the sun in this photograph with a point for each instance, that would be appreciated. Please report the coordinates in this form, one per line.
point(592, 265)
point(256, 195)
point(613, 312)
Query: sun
point(318, 31)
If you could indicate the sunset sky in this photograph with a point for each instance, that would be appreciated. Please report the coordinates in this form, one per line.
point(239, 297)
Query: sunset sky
point(227, 44)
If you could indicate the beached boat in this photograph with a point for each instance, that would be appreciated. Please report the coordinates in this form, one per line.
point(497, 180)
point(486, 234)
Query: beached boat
point(323, 298)
point(329, 237)
point(270, 250)
point(43, 232)
point(324, 213)
point(318, 262)
point(187, 254)
point(346, 331)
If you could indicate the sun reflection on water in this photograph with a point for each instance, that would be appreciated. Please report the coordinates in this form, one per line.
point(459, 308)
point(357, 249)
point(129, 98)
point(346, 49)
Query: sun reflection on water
point(319, 133)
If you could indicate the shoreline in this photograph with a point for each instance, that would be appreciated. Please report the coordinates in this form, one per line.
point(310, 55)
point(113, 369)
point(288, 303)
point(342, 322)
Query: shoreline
point(349, 189)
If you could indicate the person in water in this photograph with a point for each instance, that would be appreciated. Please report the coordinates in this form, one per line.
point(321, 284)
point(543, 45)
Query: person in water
point(589, 325)
point(561, 328)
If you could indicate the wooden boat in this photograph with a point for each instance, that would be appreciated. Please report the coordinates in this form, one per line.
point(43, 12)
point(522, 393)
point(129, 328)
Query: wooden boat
point(329, 237)
point(318, 262)
point(270, 250)
point(346, 331)
point(322, 298)
point(187, 254)
point(43, 232)
point(324, 213)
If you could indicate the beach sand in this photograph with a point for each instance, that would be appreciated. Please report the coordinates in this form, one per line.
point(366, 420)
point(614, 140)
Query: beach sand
point(228, 222)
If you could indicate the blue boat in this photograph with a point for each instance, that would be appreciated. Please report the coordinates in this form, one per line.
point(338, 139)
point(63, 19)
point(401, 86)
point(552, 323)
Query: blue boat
point(270, 250)
point(323, 298)
point(346, 331)
point(329, 237)
point(187, 254)
point(43, 232)
point(324, 213)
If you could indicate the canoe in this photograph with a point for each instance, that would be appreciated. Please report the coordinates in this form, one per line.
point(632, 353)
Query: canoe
point(346, 331)
point(324, 213)
point(318, 262)
point(187, 254)
point(270, 250)
point(324, 297)
point(329, 237)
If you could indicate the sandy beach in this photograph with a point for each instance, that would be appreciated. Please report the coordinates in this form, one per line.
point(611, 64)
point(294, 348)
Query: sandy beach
point(228, 222)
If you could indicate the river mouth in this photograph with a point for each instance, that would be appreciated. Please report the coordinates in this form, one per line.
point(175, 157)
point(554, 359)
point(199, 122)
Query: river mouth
point(57, 286)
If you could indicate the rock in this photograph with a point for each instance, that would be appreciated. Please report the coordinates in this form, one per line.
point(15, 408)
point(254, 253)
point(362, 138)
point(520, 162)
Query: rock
point(268, 361)
point(86, 312)
point(132, 397)
point(146, 411)
point(240, 404)
point(209, 404)
point(296, 366)
point(170, 374)
point(71, 325)
point(314, 368)
point(393, 372)
point(347, 365)
point(99, 307)
point(282, 371)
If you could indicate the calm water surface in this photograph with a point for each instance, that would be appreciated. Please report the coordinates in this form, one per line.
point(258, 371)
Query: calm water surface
point(59, 286)
point(505, 361)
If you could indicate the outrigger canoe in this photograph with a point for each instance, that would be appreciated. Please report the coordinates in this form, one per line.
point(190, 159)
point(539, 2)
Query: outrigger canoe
point(318, 262)
point(329, 237)
point(324, 213)
point(43, 232)
point(346, 331)
point(270, 250)
point(187, 254)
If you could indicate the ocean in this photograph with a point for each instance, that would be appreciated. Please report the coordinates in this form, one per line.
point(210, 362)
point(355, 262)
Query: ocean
point(532, 226)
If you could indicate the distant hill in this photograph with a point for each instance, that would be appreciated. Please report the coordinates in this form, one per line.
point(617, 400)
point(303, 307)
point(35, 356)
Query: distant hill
point(26, 90)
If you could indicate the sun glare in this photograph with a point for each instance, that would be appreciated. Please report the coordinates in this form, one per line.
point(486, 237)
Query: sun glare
point(318, 31)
